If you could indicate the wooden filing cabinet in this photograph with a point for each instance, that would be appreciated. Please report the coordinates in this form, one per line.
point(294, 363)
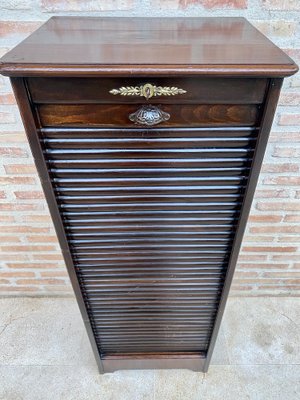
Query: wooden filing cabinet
point(148, 135)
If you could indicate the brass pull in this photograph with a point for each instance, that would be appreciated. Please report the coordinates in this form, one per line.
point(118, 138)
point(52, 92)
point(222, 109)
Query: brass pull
point(149, 115)
point(148, 90)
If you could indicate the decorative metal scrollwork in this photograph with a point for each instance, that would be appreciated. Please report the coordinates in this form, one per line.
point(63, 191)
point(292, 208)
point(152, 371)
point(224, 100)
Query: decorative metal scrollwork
point(149, 115)
point(148, 90)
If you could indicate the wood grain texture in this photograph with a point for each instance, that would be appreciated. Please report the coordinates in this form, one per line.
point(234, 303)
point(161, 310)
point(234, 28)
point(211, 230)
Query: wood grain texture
point(198, 90)
point(118, 115)
point(74, 46)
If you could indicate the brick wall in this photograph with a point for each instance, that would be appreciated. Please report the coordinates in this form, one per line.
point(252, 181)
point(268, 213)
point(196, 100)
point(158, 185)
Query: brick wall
point(269, 264)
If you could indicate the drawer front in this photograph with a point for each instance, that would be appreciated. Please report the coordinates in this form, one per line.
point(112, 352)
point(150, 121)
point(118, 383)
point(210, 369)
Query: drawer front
point(161, 90)
point(109, 115)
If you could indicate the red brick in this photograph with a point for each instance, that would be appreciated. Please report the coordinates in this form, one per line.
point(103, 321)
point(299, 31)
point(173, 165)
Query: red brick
point(259, 239)
point(292, 218)
point(41, 282)
point(4, 281)
point(17, 180)
point(7, 98)
point(278, 206)
point(24, 229)
point(252, 281)
point(47, 257)
point(271, 229)
point(17, 274)
point(20, 207)
point(261, 249)
point(271, 193)
point(284, 281)
point(252, 257)
point(84, 6)
point(64, 289)
point(16, 257)
point(13, 289)
point(286, 152)
point(17, 28)
point(281, 5)
point(290, 239)
point(289, 119)
point(282, 275)
point(40, 238)
point(238, 288)
point(32, 265)
point(29, 195)
point(7, 218)
point(261, 266)
point(218, 4)
point(7, 117)
point(37, 218)
point(54, 274)
point(264, 218)
point(29, 248)
point(12, 152)
point(292, 257)
point(245, 274)
point(20, 169)
point(284, 288)
point(2, 194)
point(285, 137)
point(278, 168)
point(270, 281)
point(282, 180)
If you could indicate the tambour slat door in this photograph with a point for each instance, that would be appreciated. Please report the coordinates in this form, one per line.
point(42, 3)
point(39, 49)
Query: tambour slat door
point(150, 216)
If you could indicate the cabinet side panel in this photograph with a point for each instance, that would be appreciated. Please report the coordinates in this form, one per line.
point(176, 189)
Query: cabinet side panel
point(270, 104)
point(31, 126)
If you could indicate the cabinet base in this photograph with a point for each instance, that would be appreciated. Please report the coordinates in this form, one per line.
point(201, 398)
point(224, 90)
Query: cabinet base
point(192, 361)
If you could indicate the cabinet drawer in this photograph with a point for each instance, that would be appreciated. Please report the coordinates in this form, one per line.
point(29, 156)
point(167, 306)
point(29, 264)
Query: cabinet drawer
point(178, 91)
point(118, 115)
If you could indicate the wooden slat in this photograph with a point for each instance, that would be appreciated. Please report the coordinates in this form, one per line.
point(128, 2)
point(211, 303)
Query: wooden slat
point(137, 133)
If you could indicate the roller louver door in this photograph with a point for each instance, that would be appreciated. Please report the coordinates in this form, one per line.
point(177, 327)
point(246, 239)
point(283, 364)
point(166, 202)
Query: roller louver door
point(150, 217)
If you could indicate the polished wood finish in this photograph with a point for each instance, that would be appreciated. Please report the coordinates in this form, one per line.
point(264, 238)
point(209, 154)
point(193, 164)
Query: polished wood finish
point(119, 114)
point(150, 219)
point(198, 90)
point(74, 46)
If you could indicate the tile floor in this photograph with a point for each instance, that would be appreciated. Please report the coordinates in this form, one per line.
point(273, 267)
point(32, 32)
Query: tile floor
point(43, 356)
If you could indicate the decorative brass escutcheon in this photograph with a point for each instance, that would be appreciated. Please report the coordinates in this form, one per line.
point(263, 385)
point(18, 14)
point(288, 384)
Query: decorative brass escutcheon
point(149, 115)
point(147, 90)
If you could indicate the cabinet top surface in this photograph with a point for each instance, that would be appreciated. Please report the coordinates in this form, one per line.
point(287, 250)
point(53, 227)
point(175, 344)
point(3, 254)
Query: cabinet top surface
point(82, 46)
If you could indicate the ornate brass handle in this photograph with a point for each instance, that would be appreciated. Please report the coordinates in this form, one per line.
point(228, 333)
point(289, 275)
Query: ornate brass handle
point(149, 115)
point(148, 90)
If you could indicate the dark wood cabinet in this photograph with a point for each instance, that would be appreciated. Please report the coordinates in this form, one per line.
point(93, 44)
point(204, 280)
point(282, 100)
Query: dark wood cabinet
point(148, 135)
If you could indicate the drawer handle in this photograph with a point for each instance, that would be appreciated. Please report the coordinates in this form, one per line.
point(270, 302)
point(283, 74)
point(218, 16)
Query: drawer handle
point(149, 115)
point(148, 90)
